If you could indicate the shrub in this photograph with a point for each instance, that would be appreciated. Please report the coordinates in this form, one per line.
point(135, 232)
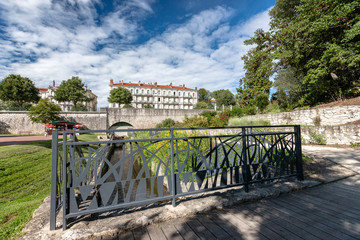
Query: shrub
point(128, 106)
point(249, 110)
point(236, 111)
point(317, 121)
point(167, 123)
point(201, 105)
point(317, 138)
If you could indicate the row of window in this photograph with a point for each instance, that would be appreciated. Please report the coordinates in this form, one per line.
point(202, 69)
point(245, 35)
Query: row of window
point(158, 92)
point(150, 99)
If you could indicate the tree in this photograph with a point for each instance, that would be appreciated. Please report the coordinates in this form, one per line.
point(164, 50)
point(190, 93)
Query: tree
point(318, 40)
point(72, 90)
point(44, 112)
point(204, 95)
point(201, 105)
point(120, 95)
point(18, 89)
point(223, 97)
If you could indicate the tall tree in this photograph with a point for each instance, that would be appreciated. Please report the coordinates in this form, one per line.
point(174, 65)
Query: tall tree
point(204, 95)
point(223, 97)
point(120, 95)
point(319, 40)
point(72, 90)
point(18, 89)
point(44, 112)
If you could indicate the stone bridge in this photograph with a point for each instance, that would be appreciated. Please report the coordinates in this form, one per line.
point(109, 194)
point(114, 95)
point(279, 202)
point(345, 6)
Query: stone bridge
point(14, 122)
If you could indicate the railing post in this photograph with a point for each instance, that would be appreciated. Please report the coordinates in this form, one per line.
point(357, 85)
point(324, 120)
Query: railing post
point(64, 172)
point(173, 178)
point(54, 179)
point(245, 168)
point(299, 168)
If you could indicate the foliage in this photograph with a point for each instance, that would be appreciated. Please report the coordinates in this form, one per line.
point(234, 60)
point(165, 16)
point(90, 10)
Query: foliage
point(20, 90)
point(248, 122)
point(44, 112)
point(71, 90)
point(128, 106)
point(223, 97)
point(167, 123)
point(206, 119)
point(120, 95)
point(249, 109)
point(14, 106)
point(79, 107)
point(204, 95)
point(24, 183)
point(201, 105)
point(317, 121)
point(317, 138)
point(314, 47)
point(273, 108)
point(148, 106)
point(236, 111)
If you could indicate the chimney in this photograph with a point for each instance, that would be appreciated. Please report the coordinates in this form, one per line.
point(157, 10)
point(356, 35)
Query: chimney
point(111, 82)
point(155, 84)
point(53, 83)
point(139, 83)
point(195, 88)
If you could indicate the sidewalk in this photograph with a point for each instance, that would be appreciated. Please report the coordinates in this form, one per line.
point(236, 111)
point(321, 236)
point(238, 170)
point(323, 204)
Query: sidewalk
point(13, 140)
point(110, 225)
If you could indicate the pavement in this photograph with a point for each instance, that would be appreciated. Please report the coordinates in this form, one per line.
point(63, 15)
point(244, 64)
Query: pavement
point(13, 140)
point(333, 164)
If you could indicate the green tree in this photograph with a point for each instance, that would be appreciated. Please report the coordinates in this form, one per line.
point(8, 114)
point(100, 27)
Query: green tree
point(120, 95)
point(80, 108)
point(318, 40)
point(20, 90)
point(204, 95)
point(72, 90)
point(44, 112)
point(223, 97)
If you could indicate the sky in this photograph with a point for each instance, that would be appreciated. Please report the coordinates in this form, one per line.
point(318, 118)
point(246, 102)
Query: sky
point(198, 43)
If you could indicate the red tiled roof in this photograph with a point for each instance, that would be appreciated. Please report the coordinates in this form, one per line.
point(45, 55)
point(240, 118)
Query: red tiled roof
point(151, 85)
point(42, 89)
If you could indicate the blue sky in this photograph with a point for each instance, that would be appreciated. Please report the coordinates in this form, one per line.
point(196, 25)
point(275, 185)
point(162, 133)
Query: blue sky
point(198, 43)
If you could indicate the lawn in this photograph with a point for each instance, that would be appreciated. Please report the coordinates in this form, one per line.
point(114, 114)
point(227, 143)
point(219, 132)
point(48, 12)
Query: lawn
point(24, 183)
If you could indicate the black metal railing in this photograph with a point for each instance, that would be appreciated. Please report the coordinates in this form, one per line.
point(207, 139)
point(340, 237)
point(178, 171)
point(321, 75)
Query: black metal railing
point(150, 165)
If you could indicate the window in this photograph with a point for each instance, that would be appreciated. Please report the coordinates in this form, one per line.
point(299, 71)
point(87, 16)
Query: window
point(137, 91)
point(153, 91)
point(184, 94)
point(132, 91)
point(158, 99)
point(164, 93)
point(142, 91)
point(174, 93)
point(179, 94)
point(148, 91)
point(159, 92)
point(193, 94)
point(169, 93)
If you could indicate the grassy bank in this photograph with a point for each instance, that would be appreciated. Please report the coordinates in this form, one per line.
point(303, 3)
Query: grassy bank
point(24, 183)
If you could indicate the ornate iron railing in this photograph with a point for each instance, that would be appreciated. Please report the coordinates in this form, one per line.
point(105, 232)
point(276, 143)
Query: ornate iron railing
point(152, 165)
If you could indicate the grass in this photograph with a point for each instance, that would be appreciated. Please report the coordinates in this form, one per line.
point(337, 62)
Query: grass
point(24, 183)
point(248, 122)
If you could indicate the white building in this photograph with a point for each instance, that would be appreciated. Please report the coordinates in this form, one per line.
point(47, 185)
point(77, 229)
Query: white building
point(67, 105)
point(158, 96)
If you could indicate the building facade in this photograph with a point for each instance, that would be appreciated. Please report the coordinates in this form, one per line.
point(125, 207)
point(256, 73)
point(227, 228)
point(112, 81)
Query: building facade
point(158, 96)
point(67, 105)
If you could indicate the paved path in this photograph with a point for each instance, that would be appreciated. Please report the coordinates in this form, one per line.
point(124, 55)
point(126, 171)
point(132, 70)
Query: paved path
point(330, 211)
point(13, 140)
point(347, 157)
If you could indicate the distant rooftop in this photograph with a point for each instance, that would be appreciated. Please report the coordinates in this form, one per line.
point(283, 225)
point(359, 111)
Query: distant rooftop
point(155, 85)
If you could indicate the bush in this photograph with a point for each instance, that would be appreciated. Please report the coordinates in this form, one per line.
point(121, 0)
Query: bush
point(317, 138)
point(128, 106)
point(273, 108)
point(236, 111)
point(167, 123)
point(79, 107)
point(201, 105)
point(249, 110)
point(148, 106)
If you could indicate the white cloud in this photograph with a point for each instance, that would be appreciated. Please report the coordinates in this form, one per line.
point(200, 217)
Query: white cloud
point(205, 51)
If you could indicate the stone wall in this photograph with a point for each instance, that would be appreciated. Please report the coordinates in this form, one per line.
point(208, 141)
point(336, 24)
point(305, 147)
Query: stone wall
point(333, 134)
point(329, 116)
point(15, 122)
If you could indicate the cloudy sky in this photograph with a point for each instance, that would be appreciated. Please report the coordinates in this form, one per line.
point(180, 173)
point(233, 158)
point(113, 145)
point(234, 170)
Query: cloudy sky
point(198, 43)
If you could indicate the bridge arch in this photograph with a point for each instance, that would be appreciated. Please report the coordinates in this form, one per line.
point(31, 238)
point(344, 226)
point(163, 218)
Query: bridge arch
point(121, 125)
